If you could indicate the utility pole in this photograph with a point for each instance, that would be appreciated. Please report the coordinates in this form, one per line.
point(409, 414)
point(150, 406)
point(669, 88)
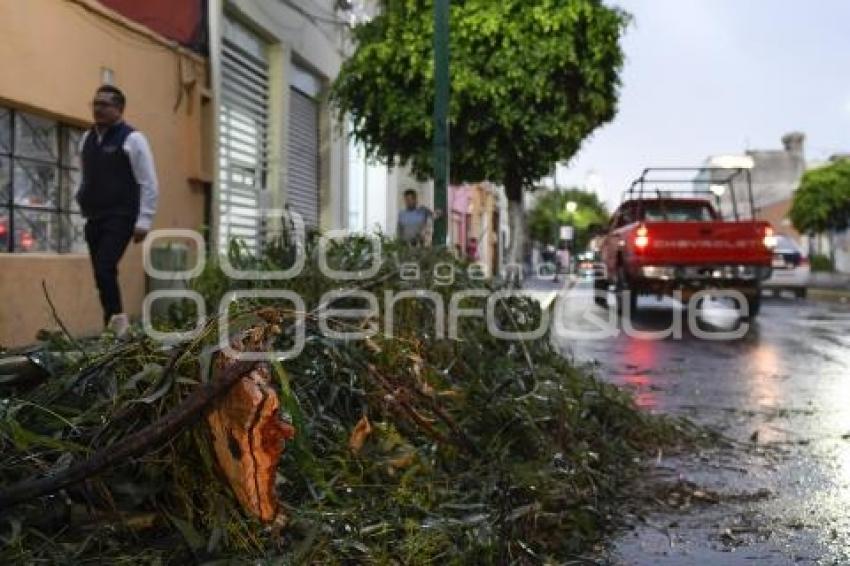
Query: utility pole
point(441, 119)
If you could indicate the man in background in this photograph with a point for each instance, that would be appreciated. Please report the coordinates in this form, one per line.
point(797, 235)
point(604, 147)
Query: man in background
point(414, 222)
point(117, 196)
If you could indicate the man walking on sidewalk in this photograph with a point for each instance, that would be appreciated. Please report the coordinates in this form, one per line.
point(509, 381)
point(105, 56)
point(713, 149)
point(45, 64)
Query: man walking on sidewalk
point(117, 195)
point(415, 222)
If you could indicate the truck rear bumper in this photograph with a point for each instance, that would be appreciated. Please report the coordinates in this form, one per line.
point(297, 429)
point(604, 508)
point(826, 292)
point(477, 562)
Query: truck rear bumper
point(699, 275)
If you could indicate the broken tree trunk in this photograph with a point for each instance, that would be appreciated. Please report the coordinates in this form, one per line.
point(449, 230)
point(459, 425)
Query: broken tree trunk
point(265, 435)
point(248, 439)
point(138, 443)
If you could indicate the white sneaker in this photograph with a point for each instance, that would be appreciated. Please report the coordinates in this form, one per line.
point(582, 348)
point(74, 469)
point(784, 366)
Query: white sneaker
point(119, 324)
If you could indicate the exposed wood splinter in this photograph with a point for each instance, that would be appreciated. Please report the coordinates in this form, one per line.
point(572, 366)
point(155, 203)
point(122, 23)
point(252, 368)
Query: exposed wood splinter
point(248, 438)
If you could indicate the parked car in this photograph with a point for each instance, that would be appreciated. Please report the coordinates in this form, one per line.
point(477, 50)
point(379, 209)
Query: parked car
point(590, 265)
point(659, 243)
point(791, 268)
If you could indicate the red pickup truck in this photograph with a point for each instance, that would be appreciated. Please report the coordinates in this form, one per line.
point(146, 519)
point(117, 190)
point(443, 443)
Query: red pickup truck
point(659, 243)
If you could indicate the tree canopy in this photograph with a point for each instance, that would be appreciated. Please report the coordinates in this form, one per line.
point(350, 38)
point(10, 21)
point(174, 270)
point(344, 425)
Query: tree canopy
point(550, 213)
point(823, 200)
point(530, 80)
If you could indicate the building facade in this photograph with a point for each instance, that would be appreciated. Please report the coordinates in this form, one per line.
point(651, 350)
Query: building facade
point(475, 223)
point(233, 97)
point(45, 95)
point(774, 175)
point(278, 142)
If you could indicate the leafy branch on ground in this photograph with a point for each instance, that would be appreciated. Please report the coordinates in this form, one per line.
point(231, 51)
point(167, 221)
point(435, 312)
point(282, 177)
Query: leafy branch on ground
point(410, 448)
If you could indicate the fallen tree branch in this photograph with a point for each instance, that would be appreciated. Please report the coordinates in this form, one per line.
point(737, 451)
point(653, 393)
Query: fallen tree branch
point(450, 422)
point(152, 435)
point(392, 396)
point(61, 324)
point(129, 410)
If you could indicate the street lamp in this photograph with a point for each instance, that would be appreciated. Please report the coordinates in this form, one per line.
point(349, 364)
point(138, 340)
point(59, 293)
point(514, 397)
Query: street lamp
point(572, 206)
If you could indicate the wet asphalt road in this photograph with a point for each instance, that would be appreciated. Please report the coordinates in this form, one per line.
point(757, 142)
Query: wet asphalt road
point(781, 389)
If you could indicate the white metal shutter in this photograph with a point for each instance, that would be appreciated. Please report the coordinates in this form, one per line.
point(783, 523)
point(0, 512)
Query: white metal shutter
point(303, 178)
point(243, 127)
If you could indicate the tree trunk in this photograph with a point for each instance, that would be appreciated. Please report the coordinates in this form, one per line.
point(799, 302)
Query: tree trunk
point(516, 220)
point(140, 442)
point(830, 238)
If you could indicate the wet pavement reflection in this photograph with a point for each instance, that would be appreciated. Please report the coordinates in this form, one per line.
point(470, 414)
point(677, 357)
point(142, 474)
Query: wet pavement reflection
point(781, 389)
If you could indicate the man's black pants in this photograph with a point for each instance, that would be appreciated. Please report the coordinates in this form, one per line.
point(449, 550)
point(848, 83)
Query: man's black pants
point(107, 239)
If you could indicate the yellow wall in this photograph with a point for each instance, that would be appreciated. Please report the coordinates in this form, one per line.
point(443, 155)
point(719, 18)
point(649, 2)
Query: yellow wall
point(51, 56)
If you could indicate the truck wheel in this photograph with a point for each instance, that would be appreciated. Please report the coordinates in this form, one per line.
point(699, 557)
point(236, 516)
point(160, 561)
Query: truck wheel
point(600, 297)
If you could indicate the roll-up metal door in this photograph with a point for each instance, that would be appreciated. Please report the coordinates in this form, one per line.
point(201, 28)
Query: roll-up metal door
point(243, 127)
point(303, 178)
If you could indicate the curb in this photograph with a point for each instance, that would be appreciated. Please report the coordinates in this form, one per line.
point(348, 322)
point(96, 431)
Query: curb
point(830, 295)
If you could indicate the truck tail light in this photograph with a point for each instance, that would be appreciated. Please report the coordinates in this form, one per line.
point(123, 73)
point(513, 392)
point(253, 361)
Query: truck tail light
point(641, 237)
point(769, 238)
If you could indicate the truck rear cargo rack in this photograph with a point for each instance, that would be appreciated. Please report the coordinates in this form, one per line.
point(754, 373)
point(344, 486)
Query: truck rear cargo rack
point(707, 177)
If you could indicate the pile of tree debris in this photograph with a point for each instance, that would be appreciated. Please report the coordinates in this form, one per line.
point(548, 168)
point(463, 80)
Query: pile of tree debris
point(406, 447)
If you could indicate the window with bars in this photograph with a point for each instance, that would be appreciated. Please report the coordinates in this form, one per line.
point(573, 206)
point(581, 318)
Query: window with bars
point(39, 172)
point(243, 135)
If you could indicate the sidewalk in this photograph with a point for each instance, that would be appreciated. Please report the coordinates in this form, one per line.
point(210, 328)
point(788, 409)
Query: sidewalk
point(830, 286)
point(827, 280)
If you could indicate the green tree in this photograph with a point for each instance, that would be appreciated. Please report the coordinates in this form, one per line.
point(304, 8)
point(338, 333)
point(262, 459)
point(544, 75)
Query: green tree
point(550, 213)
point(822, 203)
point(531, 79)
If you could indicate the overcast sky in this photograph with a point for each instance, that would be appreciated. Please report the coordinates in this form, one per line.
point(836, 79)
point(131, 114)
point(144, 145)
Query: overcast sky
point(704, 77)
